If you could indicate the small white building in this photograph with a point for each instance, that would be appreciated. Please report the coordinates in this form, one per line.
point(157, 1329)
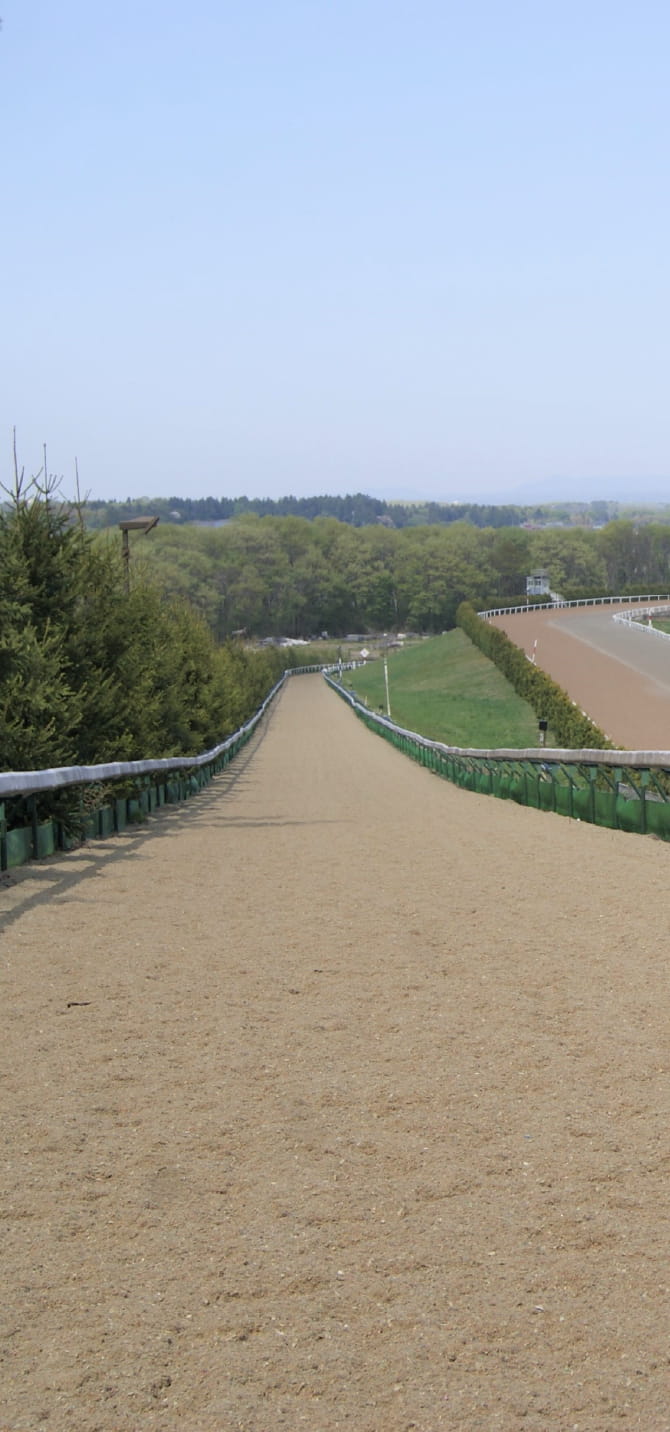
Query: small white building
point(538, 585)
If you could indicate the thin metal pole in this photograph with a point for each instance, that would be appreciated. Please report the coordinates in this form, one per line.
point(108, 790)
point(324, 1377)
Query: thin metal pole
point(386, 683)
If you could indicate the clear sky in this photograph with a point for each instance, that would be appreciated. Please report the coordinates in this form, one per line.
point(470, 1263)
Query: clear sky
point(409, 247)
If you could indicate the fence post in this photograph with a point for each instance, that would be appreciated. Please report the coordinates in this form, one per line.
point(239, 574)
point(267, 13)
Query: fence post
point(32, 806)
point(644, 779)
point(571, 788)
point(553, 789)
point(592, 793)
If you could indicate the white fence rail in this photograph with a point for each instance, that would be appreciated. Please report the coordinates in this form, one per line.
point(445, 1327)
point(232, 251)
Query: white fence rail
point(581, 602)
point(641, 619)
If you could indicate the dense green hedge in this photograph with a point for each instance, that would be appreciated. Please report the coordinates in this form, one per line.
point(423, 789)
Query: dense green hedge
point(97, 665)
point(549, 701)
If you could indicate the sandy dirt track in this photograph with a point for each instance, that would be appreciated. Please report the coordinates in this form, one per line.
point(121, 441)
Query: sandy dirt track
point(618, 674)
point(337, 1099)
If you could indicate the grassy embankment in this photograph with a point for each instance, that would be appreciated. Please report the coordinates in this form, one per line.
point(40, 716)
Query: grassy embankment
point(448, 691)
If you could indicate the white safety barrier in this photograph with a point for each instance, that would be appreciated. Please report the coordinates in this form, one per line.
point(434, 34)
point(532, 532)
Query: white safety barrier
point(581, 602)
point(641, 620)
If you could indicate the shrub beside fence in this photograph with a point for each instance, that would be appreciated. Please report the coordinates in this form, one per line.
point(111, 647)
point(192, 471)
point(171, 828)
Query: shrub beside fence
point(621, 790)
point(548, 700)
point(146, 786)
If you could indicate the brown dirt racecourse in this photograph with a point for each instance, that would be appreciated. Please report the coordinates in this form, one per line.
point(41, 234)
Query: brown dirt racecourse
point(618, 674)
point(338, 1099)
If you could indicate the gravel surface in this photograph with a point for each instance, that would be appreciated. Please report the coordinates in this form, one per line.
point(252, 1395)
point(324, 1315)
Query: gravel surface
point(338, 1098)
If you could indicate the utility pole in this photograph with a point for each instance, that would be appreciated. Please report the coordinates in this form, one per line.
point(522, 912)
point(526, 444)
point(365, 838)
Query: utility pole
point(132, 524)
point(386, 683)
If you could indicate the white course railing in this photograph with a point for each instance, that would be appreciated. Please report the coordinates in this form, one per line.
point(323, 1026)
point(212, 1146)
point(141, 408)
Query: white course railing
point(581, 602)
point(642, 617)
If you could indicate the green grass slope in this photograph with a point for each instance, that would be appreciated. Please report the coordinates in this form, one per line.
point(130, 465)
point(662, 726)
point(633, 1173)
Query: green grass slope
point(447, 690)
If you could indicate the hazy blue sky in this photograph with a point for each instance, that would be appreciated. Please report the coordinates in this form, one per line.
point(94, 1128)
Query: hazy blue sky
point(409, 247)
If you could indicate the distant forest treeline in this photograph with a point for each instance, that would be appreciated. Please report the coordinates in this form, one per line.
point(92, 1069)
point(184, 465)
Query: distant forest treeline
point(356, 509)
point(285, 576)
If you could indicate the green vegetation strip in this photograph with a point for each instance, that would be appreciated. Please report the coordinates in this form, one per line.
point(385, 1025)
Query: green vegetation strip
point(550, 702)
point(447, 690)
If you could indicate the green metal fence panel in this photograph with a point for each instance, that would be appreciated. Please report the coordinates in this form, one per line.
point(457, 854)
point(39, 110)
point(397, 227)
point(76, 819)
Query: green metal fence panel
point(630, 814)
point(46, 839)
point(606, 809)
point(517, 787)
point(583, 805)
point(658, 818)
point(546, 796)
point(532, 791)
point(19, 847)
point(564, 804)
